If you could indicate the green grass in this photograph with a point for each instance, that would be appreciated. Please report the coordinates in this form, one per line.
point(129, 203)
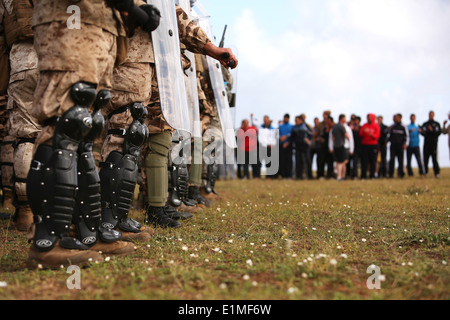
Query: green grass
point(270, 240)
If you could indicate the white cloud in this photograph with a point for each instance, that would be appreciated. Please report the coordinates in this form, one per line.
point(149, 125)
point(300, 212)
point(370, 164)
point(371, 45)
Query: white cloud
point(352, 56)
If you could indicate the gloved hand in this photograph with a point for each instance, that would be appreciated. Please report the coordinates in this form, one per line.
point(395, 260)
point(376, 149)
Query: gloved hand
point(202, 106)
point(154, 17)
point(121, 5)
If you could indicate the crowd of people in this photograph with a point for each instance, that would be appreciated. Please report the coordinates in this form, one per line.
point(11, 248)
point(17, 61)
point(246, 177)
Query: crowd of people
point(342, 148)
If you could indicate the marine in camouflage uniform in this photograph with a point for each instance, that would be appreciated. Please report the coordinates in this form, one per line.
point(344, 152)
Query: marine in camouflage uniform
point(209, 117)
point(75, 75)
point(6, 149)
point(195, 40)
point(23, 128)
point(126, 135)
point(207, 113)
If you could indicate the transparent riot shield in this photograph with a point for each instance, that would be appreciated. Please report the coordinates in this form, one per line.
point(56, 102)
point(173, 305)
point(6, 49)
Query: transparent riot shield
point(191, 82)
point(171, 83)
point(217, 81)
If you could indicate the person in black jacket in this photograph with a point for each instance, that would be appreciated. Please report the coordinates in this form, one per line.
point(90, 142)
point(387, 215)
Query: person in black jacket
point(301, 136)
point(382, 147)
point(431, 130)
point(399, 139)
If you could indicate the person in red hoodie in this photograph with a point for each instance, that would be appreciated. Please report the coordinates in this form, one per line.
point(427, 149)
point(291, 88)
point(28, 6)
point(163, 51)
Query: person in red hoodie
point(247, 140)
point(370, 133)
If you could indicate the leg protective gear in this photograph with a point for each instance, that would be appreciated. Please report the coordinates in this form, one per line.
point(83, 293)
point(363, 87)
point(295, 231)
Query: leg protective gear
point(118, 178)
point(179, 174)
point(179, 178)
point(138, 133)
point(211, 178)
point(76, 123)
point(87, 214)
point(52, 181)
point(51, 189)
point(88, 209)
point(119, 174)
point(156, 168)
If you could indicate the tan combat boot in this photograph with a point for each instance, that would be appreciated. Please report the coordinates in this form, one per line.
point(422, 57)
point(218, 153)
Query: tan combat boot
point(8, 200)
point(189, 209)
point(116, 249)
point(23, 218)
point(144, 236)
point(209, 196)
point(60, 258)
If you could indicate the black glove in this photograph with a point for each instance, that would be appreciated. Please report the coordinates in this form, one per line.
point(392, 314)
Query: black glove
point(121, 5)
point(154, 17)
point(201, 106)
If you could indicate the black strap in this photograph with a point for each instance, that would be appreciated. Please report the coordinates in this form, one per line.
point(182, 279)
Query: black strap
point(118, 132)
point(25, 140)
point(50, 122)
point(9, 164)
point(20, 180)
point(118, 111)
point(23, 203)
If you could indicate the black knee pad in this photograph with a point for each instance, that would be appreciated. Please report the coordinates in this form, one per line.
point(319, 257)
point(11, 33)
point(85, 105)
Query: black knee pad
point(138, 133)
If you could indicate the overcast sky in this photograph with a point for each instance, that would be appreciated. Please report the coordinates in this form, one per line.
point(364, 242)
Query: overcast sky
point(347, 56)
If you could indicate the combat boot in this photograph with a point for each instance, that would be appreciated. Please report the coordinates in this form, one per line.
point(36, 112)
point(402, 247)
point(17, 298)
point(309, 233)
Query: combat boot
point(194, 193)
point(174, 214)
point(8, 200)
point(208, 196)
point(116, 249)
point(158, 217)
point(189, 209)
point(23, 218)
point(144, 236)
point(59, 257)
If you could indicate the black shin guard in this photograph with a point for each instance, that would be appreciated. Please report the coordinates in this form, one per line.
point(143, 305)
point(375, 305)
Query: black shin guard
point(88, 210)
point(211, 178)
point(118, 176)
point(179, 179)
point(52, 181)
point(87, 214)
point(51, 189)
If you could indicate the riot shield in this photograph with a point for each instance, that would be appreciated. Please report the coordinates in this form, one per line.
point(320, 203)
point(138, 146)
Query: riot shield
point(191, 83)
point(217, 82)
point(171, 84)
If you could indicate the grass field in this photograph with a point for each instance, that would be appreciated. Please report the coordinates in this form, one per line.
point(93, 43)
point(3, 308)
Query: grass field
point(272, 240)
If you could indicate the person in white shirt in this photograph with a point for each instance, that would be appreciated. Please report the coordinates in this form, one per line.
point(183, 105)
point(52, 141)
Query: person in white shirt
point(268, 146)
point(342, 145)
point(446, 130)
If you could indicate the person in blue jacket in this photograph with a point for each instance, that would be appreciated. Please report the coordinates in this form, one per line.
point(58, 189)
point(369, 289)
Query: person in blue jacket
point(414, 148)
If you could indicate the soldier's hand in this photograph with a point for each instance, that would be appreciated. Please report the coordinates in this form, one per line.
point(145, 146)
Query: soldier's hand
point(121, 5)
point(154, 17)
point(224, 55)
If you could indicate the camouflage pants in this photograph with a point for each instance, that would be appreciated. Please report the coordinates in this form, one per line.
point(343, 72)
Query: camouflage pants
point(67, 57)
point(132, 82)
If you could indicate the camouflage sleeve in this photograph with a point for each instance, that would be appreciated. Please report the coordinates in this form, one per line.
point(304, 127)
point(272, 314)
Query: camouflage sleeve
point(191, 35)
